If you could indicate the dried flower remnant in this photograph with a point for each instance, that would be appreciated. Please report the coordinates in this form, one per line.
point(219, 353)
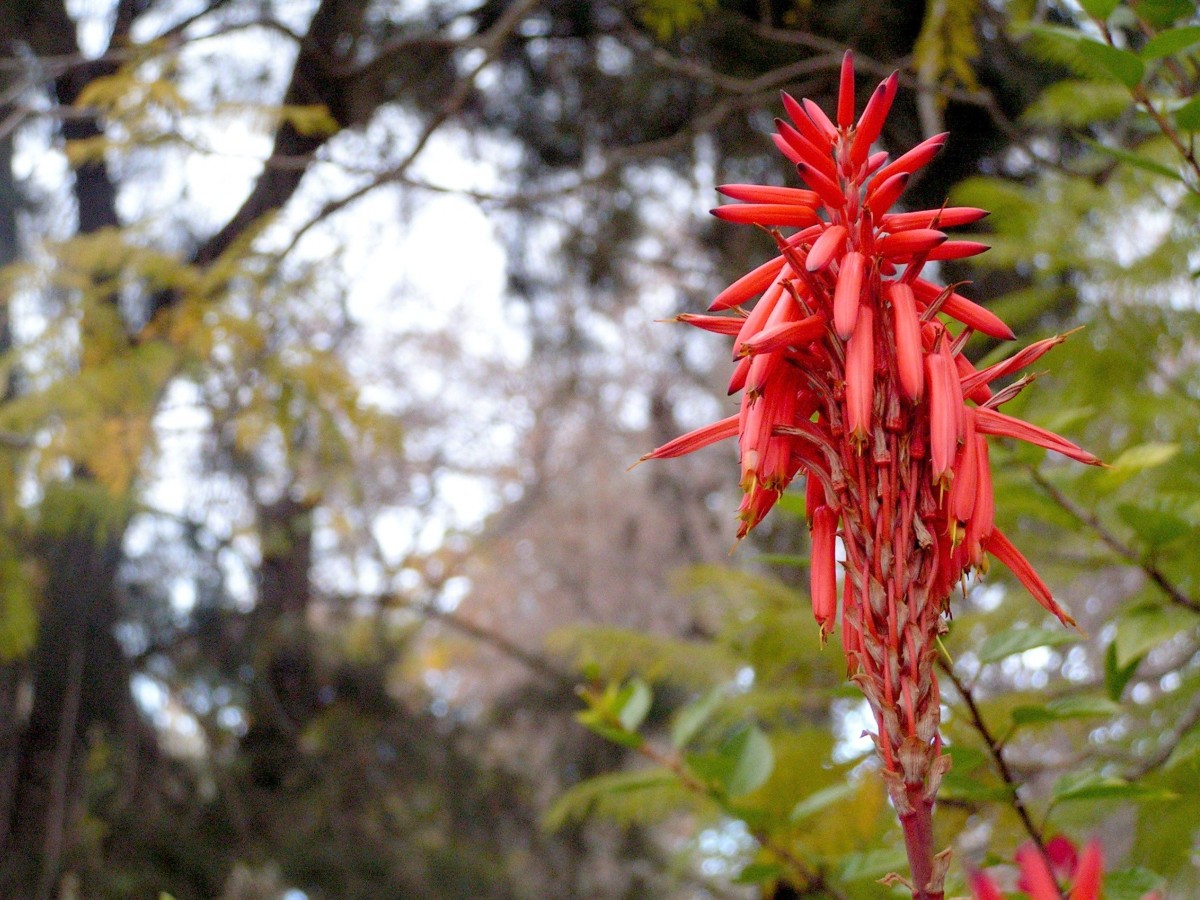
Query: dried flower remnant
point(850, 378)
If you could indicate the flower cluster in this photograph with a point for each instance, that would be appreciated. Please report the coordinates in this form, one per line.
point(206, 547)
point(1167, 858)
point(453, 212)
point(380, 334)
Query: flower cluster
point(1042, 873)
point(850, 376)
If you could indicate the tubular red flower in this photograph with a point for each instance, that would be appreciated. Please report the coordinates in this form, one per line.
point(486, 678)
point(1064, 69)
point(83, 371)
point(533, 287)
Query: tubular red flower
point(908, 339)
point(825, 248)
point(871, 123)
point(948, 217)
point(768, 215)
point(1036, 877)
point(759, 193)
point(1090, 873)
point(823, 572)
point(845, 108)
point(860, 376)
point(880, 200)
point(1002, 548)
point(717, 324)
point(694, 440)
point(984, 888)
point(847, 294)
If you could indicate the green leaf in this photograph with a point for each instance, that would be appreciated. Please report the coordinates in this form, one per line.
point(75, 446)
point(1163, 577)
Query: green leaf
point(822, 799)
point(1161, 13)
point(690, 719)
point(1131, 884)
point(1187, 117)
point(1100, 9)
point(606, 795)
point(1117, 676)
point(1018, 640)
point(1144, 628)
point(1143, 456)
point(633, 703)
point(873, 864)
point(1082, 707)
point(1133, 159)
point(742, 764)
point(1154, 527)
point(1087, 56)
point(1171, 41)
point(1093, 786)
point(1079, 102)
point(759, 872)
point(968, 788)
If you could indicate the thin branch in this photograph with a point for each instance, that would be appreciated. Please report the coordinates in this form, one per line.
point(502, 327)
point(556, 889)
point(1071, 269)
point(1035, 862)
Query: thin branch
point(1114, 543)
point(491, 45)
point(996, 750)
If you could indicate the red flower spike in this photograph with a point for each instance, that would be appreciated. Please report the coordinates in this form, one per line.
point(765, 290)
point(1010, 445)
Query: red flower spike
point(823, 572)
point(845, 107)
point(915, 158)
point(860, 376)
point(817, 116)
point(871, 123)
point(831, 195)
point(759, 193)
point(825, 248)
point(948, 217)
point(805, 151)
point(1002, 548)
point(1090, 873)
point(849, 378)
point(1035, 876)
point(847, 294)
point(881, 199)
point(717, 324)
point(769, 215)
point(983, 888)
point(908, 339)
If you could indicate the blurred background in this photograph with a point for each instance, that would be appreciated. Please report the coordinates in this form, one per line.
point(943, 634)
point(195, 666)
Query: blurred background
point(331, 327)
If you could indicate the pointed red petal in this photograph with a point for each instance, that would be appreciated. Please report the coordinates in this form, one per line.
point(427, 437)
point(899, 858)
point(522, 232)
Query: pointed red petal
point(885, 193)
point(949, 217)
point(1090, 874)
point(786, 334)
point(983, 888)
point(1002, 548)
point(943, 435)
point(1035, 876)
point(1018, 360)
point(860, 375)
point(694, 440)
point(818, 118)
point(823, 572)
point(915, 158)
point(831, 194)
point(906, 243)
point(805, 150)
point(957, 250)
point(716, 324)
point(966, 311)
point(989, 421)
point(871, 123)
point(767, 215)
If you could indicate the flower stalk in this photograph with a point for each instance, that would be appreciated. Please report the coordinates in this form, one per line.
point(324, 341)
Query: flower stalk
point(851, 375)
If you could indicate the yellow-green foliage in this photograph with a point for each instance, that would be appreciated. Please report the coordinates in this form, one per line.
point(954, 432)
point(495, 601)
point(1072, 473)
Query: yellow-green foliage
point(947, 44)
point(668, 17)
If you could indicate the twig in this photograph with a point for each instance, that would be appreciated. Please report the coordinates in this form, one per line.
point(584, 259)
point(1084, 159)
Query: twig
point(808, 880)
point(1114, 543)
point(996, 750)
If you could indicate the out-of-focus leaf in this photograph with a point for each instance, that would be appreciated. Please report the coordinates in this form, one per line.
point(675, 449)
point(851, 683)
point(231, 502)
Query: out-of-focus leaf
point(1144, 628)
point(1187, 117)
point(1083, 707)
point(1079, 102)
point(970, 789)
point(635, 701)
point(1087, 56)
point(1117, 676)
point(1101, 9)
point(1154, 527)
point(1093, 786)
point(740, 766)
point(1131, 884)
point(822, 799)
point(1161, 13)
point(872, 864)
point(608, 795)
point(759, 872)
point(693, 717)
point(1017, 640)
point(1141, 457)
point(1171, 41)
point(1134, 159)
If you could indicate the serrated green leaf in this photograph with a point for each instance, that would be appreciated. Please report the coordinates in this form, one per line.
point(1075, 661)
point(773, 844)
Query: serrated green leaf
point(1144, 628)
point(1187, 117)
point(633, 704)
point(1162, 13)
point(1101, 9)
point(1093, 786)
point(1117, 676)
point(1173, 40)
point(822, 800)
point(1082, 707)
point(1135, 160)
point(1131, 884)
point(1017, 640)
point(758, 873)
point(690, 719)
